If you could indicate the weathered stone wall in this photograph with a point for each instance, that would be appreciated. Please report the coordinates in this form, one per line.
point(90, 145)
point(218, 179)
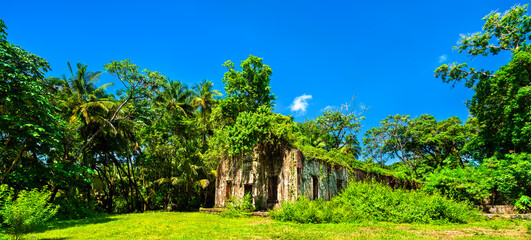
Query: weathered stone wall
point(326, 175)
point(254, 172)
point(276, 170)
point(503, 209)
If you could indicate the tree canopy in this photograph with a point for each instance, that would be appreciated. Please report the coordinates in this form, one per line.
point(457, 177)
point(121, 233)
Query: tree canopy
point(502, 98)
point(248, 89)
point(29, 122)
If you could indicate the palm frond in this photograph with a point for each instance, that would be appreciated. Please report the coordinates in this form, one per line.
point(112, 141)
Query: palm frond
point(103, 87)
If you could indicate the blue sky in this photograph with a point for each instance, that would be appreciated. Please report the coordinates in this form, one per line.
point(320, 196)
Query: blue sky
point(383, 52)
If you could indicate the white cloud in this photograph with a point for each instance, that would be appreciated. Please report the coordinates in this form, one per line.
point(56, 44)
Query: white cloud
point(327, 108)
point(443, 58)
point(300, 103)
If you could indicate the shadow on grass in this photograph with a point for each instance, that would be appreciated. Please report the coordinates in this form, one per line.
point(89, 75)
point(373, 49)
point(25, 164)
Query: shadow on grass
point(5, 236)
point(53, 238)
point(62, 224)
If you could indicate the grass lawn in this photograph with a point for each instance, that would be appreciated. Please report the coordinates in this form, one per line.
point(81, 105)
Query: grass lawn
point(195, 225)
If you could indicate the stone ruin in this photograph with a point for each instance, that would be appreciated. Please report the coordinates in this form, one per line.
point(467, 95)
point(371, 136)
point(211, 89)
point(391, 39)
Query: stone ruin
point(273, 174)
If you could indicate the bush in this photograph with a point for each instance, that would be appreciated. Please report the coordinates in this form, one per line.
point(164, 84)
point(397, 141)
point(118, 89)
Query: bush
point(523, 204)
point(239, 207)
point(376, 202)
point(29, 209)
point(461, 184)
point(4, 196)
point(498, 180)
point(512, 174)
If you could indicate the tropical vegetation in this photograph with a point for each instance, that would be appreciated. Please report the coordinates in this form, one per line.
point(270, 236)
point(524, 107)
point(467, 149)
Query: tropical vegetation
point(76, 148)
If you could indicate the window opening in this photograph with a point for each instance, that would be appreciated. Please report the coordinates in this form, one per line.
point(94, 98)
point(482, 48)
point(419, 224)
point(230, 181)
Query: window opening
point(339, 185)
point(272, 191)
point(315, 182)
point(228, 189)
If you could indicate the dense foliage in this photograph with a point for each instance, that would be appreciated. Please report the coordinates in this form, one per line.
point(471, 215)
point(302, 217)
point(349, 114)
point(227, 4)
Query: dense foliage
point(501, 100)
point(361, 202)
point(335, 129)
point(486, 160)
point(29, 123)
point(29, 209)
point(501, 120)
point(422, 144)
point(248, 89)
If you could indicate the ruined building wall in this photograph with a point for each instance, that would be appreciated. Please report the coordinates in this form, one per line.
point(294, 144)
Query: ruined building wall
point(329, 179)
point(274, 174)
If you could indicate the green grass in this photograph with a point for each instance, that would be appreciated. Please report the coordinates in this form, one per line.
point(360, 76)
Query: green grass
point(185, 225)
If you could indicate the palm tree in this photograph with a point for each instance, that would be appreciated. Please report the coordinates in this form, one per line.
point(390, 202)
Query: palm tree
point(84, 105)
point(96, 112)
point(85, 99)
point(175, 98)
point(204, 99)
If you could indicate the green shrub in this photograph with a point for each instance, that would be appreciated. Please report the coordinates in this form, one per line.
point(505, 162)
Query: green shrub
point(4, 196)
point(376, 202)
point(239, 207)
point(523, 204)
point(511, 174)
point(303, 211)
point(462, 184)
point(29, 209)
point(528, 226)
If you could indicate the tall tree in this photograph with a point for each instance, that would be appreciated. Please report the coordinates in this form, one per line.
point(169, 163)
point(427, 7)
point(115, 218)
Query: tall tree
point(29, 124)
point(423, 144)
point(437, 143)
point(83, 104)
point(86, 108)
point(138, 88)
point(84, 95)
point(204, 99)
point(175, 98)
point(337, 129)
point(389, 140)
point(248, 89)
point(502, 98)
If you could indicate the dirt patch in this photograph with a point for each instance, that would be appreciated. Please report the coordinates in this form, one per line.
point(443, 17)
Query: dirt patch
point(258, 222)
point(469, 232)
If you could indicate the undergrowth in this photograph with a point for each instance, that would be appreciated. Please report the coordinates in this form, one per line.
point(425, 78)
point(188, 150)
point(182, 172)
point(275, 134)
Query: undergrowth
point(239, 207)
point(362, 202)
